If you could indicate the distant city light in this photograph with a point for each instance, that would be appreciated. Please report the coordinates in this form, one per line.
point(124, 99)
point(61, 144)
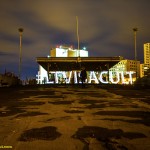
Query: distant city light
point(84, 48)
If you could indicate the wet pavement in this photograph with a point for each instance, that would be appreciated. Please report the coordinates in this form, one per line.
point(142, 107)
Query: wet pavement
point(74, 118)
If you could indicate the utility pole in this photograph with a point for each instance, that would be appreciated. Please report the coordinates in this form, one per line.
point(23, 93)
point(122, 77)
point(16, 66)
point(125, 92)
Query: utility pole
point(20, 54)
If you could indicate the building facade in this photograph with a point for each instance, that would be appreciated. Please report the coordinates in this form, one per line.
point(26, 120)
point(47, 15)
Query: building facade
point(63, 51)
point(125, 66)
point(146, 57)
point(141, 70)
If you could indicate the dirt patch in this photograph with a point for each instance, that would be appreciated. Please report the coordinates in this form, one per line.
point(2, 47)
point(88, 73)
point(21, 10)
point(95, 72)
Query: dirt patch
point(105, 136)
point(44, 133)
point(143, 115)
point(61, 102)
point(74, 111)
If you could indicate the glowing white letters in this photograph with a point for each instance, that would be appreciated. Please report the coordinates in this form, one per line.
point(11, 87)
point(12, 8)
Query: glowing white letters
point(104, 77)
point(111, 77)
point(101, 77)
point(93, 77)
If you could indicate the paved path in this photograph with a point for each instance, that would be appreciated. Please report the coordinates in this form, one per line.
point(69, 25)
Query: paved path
point(72, 118)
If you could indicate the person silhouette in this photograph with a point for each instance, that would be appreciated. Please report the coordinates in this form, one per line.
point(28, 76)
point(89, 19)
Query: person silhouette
point(83, 76)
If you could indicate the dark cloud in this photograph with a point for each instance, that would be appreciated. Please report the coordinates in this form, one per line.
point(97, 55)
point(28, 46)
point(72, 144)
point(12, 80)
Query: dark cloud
point(3, 54)
point(105, 27)
point(7, 37)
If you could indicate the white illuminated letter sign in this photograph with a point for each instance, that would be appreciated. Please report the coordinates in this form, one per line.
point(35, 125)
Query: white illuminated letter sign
point(130, 75)
point(93, 77)
point(70, 74)
point(101, 77)
point(122, 77)
point(56, 77)
point(74, 74)
point(75, 77)
point(111, 77)
point(51, 82)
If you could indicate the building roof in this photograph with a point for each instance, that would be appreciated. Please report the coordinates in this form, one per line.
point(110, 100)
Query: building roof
point(76, 63)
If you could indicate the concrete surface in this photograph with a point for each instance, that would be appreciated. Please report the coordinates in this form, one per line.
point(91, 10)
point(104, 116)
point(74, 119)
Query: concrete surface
point(74, 118)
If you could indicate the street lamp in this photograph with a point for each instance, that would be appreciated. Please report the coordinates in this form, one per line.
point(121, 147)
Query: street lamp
point(20, 54)
point(78, 36)
point(135, 50)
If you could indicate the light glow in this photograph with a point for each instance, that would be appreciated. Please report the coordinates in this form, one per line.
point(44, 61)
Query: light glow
point(73, 76)
point(130, 75)
point(101, 77)
point(111, 78)
point(93, 77)
point(84, 48)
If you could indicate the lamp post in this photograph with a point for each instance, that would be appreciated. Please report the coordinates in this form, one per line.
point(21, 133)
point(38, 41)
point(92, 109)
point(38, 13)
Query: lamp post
point(135, 50)
point(20, 54)
point(78, 36)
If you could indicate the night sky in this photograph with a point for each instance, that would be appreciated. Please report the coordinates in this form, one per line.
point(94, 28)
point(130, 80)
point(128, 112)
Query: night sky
point(105, 28)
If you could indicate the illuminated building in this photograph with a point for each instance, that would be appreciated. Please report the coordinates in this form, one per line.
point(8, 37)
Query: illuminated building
point(146, 56)
point(64, 65)
point(141, 70)
point(126, 66)
point(62, 51)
